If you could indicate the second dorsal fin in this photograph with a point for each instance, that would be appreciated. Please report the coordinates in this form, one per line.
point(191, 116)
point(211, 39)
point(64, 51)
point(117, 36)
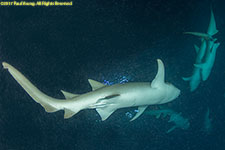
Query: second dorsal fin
point(95, 84)
point(69, 95)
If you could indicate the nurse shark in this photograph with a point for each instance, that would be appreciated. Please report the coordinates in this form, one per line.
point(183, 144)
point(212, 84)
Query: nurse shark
point(205, 54)
point(195, 78)
point(105, 99)
point(176, 118)
point(207, 128)
point(206, 67)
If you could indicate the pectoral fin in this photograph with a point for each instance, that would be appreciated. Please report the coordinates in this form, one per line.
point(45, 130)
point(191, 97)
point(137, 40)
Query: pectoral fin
point(106, 106)
point(186, 78)
point(200, 65)
point(141, 109)
point(171, 129)
point(105, 112)
point(158, 116)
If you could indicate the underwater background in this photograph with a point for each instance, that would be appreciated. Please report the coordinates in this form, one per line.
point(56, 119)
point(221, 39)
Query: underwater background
point(109, 41)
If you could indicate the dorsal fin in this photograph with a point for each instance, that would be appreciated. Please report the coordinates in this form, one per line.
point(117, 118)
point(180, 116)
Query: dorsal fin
point(212, 25)
point(160, 76)
point(95, 84)
point(69, 95)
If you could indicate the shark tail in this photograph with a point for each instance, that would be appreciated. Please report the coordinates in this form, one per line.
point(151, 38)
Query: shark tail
point(50, 104)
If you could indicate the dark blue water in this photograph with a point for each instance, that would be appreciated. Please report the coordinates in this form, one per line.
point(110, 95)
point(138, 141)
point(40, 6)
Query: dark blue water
point(61, 47)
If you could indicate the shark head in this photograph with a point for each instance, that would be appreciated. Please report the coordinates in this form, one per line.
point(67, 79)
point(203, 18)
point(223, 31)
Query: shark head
point(171, 92)
point(180, 121)
point(186, 124)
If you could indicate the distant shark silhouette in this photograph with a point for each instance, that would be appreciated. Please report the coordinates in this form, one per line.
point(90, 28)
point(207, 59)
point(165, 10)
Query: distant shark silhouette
point(195, 78)
point(176, 118)
point(207, 128)
point(105, 99)
point(206, 66)
point(205, 54)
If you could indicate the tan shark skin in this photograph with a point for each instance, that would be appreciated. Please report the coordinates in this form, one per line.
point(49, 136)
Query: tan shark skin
point(105, 99)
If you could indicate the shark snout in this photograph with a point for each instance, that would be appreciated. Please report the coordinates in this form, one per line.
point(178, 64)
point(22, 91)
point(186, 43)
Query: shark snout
point(173, 93)
point(177, 93)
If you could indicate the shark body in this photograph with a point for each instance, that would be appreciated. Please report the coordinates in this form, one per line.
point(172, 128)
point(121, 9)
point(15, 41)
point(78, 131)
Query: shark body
point(176, 118)
point(207, 122)
point(205, 54)
point(195, 78)
point(207, 66)
point(105, 99)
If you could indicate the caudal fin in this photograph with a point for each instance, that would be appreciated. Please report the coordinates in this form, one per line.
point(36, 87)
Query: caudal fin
point(49, 103)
